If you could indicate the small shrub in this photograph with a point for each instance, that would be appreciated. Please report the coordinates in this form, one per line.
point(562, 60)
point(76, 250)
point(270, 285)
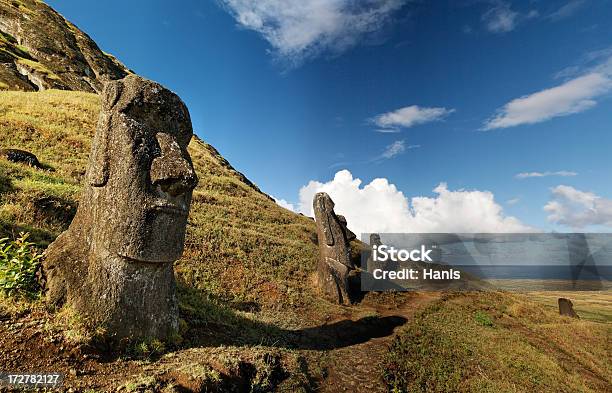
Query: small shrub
point(146, 349)
point(483, 319)
point(19, 261)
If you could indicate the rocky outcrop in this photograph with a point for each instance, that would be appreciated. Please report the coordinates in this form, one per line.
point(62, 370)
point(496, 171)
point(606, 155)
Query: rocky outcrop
point(114, 265)
point(40, 49)
point(335, 267)
point(20, 156)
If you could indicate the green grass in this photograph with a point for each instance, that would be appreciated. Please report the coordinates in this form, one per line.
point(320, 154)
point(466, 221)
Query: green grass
point(492, 342)
point(240, 248)
point(245, 278)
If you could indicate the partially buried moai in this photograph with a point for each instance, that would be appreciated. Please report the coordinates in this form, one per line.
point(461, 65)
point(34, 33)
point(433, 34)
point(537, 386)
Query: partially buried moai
point(566, 308)
point(335, 266)
point(114, 265)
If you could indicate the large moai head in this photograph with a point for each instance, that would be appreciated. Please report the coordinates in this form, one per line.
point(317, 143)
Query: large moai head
point(114, 265)
point(335, 263)
point(140, 176)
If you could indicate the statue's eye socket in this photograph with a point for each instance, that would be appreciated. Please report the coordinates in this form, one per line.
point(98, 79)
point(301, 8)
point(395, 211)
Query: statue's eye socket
point(147, 146)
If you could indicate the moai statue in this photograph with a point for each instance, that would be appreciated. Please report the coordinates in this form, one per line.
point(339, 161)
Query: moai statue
point(114, 265)
point(350, 236)
point(567, 308)
point(375, 241)
point(335, 264)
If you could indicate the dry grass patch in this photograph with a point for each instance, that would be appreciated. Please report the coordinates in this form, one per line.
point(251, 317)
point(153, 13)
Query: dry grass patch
point(488, 342)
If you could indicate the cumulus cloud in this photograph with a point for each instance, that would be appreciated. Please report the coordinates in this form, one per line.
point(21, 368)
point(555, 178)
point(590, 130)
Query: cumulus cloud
point(573, 96)
point(409, 116)
point(525, 175)
point(578, 209)
point(297, 29)
point(284, 203)
point(380, 207)
point(500, 18)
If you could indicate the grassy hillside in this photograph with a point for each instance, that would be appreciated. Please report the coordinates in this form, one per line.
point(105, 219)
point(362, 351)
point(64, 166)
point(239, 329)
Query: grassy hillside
point(251, 318)
point(494, 342)
point(241, 247)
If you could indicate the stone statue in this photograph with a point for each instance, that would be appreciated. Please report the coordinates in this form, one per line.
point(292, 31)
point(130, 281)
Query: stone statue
point(566, 307)
point(335, 265)
point(114, 265)
point(375, 240)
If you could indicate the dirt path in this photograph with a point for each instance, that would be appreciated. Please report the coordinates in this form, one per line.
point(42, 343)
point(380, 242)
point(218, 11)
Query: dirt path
point(356, 368)
point(356, 342)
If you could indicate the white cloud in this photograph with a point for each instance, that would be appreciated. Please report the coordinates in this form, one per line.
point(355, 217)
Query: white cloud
point(578, 209)
point(525, 175)
point(513, 201)
point(388, 130)
point(394, 149)
point(500, 18)
point(573, 96)
point(566, 10)
point(284, 203)
point(297, 29)
point(380, 207)
point(409, 116)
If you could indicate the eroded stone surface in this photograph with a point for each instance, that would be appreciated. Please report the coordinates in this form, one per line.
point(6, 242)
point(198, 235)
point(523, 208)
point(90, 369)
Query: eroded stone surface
point(566, 307)
point(114, 263)
point(40, 49)
point(375, 240)
point(335, 266)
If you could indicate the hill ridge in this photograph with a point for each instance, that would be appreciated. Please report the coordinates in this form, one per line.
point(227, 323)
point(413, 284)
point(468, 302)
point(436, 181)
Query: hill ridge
point(60, 56)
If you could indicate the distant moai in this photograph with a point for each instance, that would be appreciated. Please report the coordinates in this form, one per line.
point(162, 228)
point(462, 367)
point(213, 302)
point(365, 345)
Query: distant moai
point(114, 265)
point(566, 307)
point(335, 265)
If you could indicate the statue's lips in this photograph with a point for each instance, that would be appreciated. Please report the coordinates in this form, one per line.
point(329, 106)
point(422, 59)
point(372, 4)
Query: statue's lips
point(171, 209)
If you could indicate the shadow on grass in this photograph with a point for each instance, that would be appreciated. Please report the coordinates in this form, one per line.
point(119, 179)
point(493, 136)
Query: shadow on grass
point(212, 324)
point(40, 237)
point(6, 183)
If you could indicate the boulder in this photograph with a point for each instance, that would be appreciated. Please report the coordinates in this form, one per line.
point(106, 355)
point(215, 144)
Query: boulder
point(20, 156)
point(114, 265)
point(335, 267)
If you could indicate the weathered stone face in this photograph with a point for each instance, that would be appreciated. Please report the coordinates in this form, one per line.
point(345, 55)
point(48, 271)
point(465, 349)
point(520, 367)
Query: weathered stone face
point(140, 172)
point(335, 263)
point(566, 307)
point(114, 264)
point(348, 234)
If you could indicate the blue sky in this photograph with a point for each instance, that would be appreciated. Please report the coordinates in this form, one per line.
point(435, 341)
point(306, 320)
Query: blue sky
point(469, 94)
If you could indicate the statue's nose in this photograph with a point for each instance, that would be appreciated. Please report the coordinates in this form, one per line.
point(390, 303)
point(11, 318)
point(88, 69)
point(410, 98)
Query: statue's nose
point(172, 171)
